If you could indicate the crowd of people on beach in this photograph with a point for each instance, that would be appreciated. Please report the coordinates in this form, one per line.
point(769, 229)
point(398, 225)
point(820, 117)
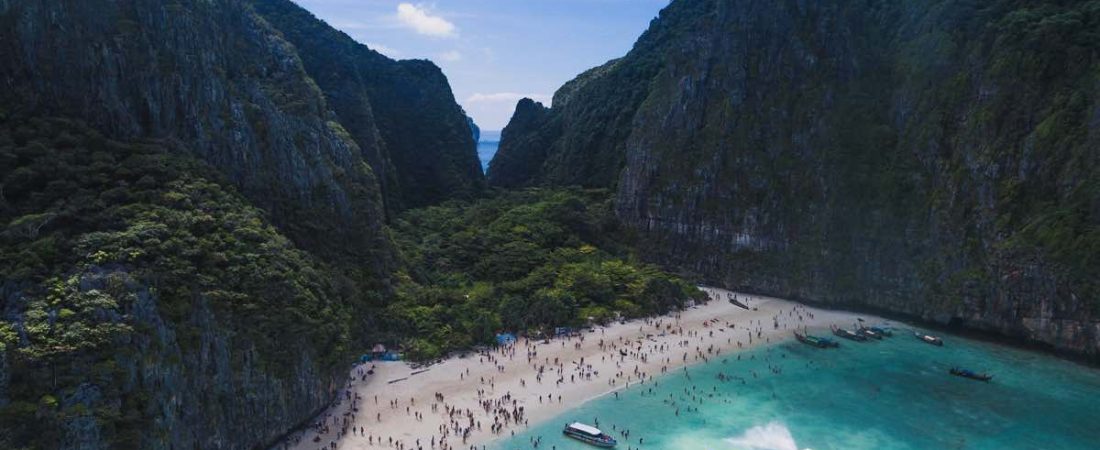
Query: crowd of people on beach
point(659, 345)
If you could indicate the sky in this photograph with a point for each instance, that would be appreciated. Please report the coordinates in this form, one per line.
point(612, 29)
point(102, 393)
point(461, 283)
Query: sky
point(495, 52)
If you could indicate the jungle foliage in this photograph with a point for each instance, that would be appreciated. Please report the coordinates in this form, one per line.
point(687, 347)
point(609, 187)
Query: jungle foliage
point(96, 232)
point(521, 261)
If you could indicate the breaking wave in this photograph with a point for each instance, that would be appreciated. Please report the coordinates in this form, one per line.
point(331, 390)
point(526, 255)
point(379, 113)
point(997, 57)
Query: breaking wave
point(773, 436)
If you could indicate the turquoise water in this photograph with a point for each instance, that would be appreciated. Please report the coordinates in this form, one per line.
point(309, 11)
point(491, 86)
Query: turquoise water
point(890, 394)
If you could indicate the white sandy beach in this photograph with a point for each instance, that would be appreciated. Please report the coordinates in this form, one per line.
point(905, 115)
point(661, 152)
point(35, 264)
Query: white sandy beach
point(469, 395)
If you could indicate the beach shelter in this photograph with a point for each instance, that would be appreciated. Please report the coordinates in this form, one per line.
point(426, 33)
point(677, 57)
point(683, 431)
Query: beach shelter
point(505, 338)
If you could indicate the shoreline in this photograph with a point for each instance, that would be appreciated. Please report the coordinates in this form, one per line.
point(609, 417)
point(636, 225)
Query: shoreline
point(469, 401)
point(957, 329)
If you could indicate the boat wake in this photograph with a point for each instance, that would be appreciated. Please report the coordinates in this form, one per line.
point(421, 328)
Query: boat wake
point(773, 436)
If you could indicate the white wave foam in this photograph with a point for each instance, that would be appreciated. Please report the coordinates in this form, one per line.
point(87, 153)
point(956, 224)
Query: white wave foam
point(773, 436)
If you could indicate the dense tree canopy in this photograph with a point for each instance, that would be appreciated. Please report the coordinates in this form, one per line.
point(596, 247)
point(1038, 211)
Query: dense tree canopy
point(519, 261)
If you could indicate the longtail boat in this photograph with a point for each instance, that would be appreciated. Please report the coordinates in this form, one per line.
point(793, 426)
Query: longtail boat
point(589, 435)
point(929, 339)
point(736, 302)
point(815, 341)
point(848, 334)
point(970, 374)
point(884, 331)
point(869, 333)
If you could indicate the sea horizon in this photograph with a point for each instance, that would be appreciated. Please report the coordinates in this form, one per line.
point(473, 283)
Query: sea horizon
point(487, 145)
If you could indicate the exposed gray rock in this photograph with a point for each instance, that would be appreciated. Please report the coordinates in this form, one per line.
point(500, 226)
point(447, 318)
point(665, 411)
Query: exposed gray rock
point(401, 113)
point(930, 158)
point(213, 75)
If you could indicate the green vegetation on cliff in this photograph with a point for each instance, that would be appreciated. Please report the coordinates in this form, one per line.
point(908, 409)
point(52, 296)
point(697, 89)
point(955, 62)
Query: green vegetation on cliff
point(520, 261)
point(581, 140)
point(202, 237)
point(204, 224)
point(933, 158)
point(128, 268)
point(401, 113)
point(117, 253)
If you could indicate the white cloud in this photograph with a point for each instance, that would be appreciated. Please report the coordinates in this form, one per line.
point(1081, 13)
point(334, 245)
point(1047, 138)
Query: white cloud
point(510, 97)
point(419, 19)
point(450, 56)
point(383, 49)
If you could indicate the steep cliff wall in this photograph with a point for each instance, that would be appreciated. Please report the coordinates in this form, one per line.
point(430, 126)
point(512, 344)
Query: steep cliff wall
point(145, 305)
point(521, 155)
point(937, 159)
point(191, 228)
point(581, 141)
point(402, 111)
point(213, 75)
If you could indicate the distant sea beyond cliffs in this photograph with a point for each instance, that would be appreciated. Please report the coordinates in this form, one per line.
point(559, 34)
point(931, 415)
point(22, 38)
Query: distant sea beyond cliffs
point(487, 147)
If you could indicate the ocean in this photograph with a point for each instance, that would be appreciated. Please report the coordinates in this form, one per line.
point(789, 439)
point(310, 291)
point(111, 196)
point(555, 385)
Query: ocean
point(889, 394)
point(487, 147)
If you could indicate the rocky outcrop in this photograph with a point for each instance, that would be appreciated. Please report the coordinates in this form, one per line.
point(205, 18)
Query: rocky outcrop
point(581, 140)
point(475, 131)
point(523, 152)
point(213, 75)
point(401, 113)
point(145, 304)
point(934, 159)
point(153, 155)
point(215, 392)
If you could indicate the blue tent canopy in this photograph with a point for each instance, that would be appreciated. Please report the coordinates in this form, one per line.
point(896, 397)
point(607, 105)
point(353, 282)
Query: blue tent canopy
point(387, 356)
point(505, 338)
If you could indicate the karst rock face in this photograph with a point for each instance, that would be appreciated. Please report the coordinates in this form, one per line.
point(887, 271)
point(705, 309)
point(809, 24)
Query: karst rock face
point(936, 159)
point(212, 74)
point(235, 163)
point(287, 107)
point(402, 113)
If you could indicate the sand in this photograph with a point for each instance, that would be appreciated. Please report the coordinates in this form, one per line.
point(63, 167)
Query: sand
point(396, 402)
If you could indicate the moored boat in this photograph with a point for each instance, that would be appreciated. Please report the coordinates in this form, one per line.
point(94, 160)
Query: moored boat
point(883, 331)
point(738, 303)
point(869, 333)
point(589, 435)
point(815, 341)
point(929, 338)
point(970, 374)
point(848, 334)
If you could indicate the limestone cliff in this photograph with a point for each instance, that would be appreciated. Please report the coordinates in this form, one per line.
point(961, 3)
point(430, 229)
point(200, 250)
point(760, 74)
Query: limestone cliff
point(932, 158)
point(401, 113)
point(211, 74)
point(192, 204)
point(145, 304)
point(523, 152)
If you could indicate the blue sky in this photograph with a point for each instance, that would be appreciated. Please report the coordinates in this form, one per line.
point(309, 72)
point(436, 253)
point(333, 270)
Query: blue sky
point(495, 51)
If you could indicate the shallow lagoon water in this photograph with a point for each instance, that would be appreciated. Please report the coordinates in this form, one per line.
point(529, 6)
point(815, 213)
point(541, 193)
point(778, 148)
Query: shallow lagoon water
point(889, 394)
